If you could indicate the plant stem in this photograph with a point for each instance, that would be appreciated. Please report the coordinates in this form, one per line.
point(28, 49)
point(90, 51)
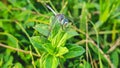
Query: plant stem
point(19, 50)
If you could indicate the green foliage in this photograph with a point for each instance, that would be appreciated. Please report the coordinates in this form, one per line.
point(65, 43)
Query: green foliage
point(53, 48)
point(49, 61)
point(32, 37)
point(74, 51)
point(115, 58)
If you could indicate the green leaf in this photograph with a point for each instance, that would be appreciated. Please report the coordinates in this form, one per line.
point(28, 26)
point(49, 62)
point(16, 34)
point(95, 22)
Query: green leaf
point(42, 44)
point(38, 42)
point(62, 51)
point(8, 62)
point(83, 19)
point(74, 51)
point(71, 33)
point(11, 40)
point(3, 5)
point(42, 28)
point(50, 62)
point(115, 58)
point(1, 59)
point(8, 27)
point(22, 16)
point(85, 64)
point(18, 65)
point(59, 39)
point(1, 24)
point(48, 47)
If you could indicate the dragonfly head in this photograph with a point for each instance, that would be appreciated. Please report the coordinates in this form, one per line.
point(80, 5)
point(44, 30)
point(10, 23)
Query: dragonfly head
point(60, 17)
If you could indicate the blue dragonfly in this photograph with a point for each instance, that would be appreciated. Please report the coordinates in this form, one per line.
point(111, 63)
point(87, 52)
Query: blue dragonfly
point(60, 18)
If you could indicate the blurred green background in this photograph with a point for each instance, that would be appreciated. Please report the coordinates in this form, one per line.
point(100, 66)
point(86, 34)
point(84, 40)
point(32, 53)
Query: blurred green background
point(97, 23)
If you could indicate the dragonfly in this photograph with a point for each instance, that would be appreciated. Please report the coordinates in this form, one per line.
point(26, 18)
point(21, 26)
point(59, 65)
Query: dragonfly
point(60, 17)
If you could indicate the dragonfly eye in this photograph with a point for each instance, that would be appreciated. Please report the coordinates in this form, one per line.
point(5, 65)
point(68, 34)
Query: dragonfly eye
point(64, 21)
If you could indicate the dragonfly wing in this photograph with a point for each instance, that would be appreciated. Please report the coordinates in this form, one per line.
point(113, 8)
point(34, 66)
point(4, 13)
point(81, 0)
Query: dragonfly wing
point(53, 20)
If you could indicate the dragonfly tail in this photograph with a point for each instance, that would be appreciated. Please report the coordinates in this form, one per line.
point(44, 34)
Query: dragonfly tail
point(51, 9)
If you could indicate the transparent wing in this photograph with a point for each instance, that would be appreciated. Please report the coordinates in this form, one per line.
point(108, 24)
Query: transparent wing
point(54, 25)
